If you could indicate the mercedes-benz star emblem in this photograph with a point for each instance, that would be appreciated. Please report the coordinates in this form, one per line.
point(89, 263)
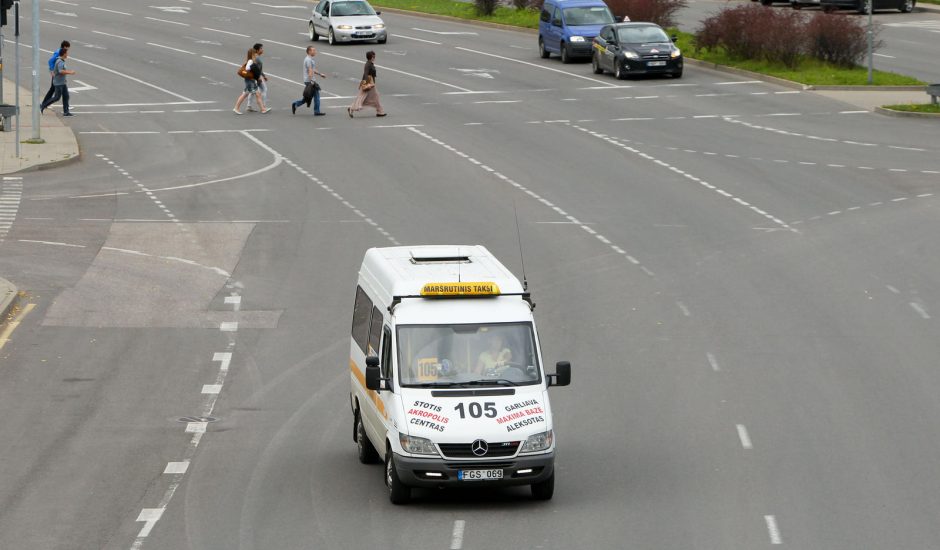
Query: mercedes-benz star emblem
point(479, 447)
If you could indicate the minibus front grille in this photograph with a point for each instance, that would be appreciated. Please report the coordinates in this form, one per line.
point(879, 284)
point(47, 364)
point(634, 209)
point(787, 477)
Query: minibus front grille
point(479, 465)
point(465, 450)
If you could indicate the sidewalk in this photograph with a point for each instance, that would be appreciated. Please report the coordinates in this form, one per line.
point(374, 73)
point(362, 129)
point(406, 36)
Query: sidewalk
point(60, 146)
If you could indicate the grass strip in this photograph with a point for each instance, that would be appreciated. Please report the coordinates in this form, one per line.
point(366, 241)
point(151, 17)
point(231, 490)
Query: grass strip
point(809, 71)
point(465, 10)
point(915, 108)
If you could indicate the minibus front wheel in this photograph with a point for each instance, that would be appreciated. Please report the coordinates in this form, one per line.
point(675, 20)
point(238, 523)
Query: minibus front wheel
point(398, 492)
point(367, 452)
point(544, 490)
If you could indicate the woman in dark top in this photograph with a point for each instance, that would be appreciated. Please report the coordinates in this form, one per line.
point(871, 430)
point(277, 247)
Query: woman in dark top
point(251, 83)
point(368, 95)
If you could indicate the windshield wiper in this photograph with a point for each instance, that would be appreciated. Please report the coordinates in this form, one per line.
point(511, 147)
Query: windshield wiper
point(432, 385)
point(488, 381)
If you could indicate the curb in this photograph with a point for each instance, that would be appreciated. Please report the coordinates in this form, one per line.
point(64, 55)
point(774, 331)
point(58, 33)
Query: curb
point(905, 114)
point(741, 72)
point(798, 85)
point(8, 298)
point(456, 19)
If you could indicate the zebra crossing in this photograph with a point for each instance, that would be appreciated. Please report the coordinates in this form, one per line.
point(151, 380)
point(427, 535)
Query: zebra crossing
point(11, 192)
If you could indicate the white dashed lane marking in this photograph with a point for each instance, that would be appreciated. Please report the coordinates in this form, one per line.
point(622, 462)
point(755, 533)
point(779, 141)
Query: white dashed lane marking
point(587, 229)
point(703, 183)
point(11, 193)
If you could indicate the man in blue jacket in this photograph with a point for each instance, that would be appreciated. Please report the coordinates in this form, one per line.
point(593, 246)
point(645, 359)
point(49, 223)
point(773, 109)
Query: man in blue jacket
point(55, 56)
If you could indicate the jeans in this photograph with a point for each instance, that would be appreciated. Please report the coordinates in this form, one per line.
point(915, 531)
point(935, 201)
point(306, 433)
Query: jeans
point(61, 91)
point(316, 101)
point(49, 93)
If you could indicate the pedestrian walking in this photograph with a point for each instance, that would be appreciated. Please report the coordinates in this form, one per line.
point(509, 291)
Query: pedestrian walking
point(311, 86)
point(251, 74)
point(55, 55)
point(59, 73)
point(368, 95)
point(263, 82)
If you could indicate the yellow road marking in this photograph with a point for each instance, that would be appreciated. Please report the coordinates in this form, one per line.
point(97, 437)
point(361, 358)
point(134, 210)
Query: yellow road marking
point(15, 322)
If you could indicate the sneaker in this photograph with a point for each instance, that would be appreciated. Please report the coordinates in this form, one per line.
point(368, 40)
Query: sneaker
point(293, 108)
point(68, 114)
point(266, 111)
point(319, 114)
point(236, 111)
point(251, 109)
point(381, 114)
point(349, 112)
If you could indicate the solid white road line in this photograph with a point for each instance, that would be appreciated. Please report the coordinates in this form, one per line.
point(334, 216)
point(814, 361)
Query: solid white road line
point(110, 11)
point(920, 310)
point(286, 17)
point(113, 35)
point(609, 85)
point(226, 32)
point(166, 21)
point(223, 7)
point(745, 438)
point(169, 48)
point(773, 530)
point(384, 67)
point(456, 539)
point(713, 362)
point(416, 39)
point(176, 468)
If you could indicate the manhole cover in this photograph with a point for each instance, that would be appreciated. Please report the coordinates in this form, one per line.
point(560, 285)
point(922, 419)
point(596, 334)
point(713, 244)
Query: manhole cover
point(188, 419)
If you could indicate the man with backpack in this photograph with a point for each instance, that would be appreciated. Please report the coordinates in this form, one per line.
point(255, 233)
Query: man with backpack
point(59, 74)
point(55, 56)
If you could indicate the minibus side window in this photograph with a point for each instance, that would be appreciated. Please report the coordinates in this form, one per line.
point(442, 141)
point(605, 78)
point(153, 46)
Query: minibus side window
point(361, 315)
point(387, 354)
point(375, 333)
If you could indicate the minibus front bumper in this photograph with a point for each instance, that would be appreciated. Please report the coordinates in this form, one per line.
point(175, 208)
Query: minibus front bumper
point(441, 472)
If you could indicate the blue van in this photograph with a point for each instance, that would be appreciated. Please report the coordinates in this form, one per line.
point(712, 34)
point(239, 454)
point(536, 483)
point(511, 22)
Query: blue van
point(567, 27)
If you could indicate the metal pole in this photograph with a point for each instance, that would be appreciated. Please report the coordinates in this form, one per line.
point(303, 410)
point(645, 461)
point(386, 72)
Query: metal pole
point(36, 71)
point(871, 56)
point(16, 33)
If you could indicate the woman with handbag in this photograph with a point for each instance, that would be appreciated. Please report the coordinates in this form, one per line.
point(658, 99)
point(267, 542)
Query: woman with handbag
point(368, 95)
point(251, 72)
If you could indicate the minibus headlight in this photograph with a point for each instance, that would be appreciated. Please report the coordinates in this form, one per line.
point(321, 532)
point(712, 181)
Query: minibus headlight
point(538, 442)
point(417, 445)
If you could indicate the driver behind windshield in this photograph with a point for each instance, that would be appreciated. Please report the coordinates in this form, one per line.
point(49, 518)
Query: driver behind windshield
point(493, 358)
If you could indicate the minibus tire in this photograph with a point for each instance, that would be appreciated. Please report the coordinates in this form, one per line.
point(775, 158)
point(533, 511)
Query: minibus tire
point(544, 490)
point(367, 452)
point(398, 492)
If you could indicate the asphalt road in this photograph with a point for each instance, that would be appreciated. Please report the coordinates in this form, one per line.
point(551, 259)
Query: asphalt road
point(744, 278)
point(910, 40)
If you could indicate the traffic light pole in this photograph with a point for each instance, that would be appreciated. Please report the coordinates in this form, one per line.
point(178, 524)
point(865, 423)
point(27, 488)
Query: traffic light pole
point(16, 33)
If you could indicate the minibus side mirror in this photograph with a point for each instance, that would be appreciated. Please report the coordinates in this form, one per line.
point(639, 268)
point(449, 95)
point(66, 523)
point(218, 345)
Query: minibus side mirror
point(373, 374)
point(562, 376)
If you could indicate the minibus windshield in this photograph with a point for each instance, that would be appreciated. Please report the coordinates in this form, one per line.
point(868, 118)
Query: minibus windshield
point(502, 354)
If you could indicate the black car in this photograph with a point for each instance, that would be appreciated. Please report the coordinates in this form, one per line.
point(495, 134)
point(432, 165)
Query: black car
point(634, 49)
point(864, 6)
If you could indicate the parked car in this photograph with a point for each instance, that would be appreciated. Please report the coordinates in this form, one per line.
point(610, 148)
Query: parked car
point(800, 4)
point(864, 6)
point(346, 21)
point(636, 48)
point(567, 27)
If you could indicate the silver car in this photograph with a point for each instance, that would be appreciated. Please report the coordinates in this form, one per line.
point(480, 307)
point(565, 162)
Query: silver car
point(346, 21)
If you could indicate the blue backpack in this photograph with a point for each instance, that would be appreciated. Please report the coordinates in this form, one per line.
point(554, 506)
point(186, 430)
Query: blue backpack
point(53, 59)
